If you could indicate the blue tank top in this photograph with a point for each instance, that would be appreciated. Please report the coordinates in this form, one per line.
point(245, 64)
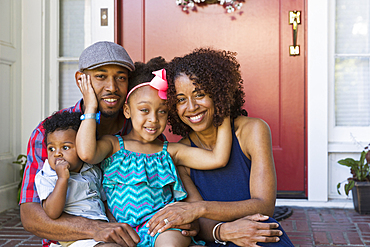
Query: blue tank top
point(230, 183)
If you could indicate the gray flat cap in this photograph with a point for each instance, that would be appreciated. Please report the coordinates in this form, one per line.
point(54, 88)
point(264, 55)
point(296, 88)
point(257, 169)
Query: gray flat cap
point(104, 53)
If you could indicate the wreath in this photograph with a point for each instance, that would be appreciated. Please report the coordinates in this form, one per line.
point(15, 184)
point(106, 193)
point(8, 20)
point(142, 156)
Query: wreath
point(229, 5)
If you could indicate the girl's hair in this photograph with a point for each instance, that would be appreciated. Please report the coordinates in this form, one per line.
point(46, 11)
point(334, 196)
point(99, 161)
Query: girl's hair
point(218, 74)
point(62, 121)
point(143, 71)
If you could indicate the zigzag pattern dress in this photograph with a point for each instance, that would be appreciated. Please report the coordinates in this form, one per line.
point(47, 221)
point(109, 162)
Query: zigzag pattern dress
point(138, 185)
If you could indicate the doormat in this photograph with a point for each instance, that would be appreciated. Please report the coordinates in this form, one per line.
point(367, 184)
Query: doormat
point(282, 212)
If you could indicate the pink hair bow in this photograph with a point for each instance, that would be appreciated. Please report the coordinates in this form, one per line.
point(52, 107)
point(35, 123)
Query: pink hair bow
point(159, 82)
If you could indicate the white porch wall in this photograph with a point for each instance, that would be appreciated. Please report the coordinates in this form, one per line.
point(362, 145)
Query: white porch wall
point(10, 97)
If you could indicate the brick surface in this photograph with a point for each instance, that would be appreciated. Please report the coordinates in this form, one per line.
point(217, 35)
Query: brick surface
point(327, 227)
point(306, 227)
point(12, 243)
point(302, 225)
point(354, 238)
point(321, 238)
point(338, 238)
point(364, 228)
point(287, 225)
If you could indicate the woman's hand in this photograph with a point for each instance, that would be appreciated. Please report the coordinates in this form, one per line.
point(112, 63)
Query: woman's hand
point(175, 215)
point(88, 93)
point(247, 231)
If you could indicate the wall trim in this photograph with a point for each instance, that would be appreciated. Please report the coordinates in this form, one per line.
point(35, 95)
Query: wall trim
point(317, 106)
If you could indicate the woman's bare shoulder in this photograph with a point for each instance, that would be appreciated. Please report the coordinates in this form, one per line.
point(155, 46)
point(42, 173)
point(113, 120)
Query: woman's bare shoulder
point(247, 125)
point(251, 132)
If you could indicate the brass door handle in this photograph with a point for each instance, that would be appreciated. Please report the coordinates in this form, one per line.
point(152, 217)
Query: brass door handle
point(294, 20)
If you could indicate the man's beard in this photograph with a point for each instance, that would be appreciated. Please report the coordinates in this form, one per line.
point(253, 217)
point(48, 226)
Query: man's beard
point(110, 114)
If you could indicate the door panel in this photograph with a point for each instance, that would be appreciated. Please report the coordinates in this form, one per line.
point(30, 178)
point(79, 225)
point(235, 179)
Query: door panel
point(274, 81)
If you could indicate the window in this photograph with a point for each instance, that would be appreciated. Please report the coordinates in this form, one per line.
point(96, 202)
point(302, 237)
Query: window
point(74, 35)
point(352, 63)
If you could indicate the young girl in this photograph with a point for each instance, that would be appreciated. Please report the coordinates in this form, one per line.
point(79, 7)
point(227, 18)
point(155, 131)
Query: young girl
point(139, 173)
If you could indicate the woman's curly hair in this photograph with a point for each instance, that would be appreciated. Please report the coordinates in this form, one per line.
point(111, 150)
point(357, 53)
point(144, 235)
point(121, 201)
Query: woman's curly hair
point(62, 121)
point(218, 74)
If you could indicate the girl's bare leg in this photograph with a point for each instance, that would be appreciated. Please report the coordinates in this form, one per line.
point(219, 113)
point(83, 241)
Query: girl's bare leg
point(172, 238)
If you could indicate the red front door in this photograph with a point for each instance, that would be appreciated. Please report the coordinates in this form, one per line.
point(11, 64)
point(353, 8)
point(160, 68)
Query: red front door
point(274, 81)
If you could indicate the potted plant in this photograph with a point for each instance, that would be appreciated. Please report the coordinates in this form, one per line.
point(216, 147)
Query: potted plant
point(359, 183)
point(21, 161)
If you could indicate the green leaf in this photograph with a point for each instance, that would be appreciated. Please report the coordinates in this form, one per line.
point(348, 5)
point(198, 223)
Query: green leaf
point(338, 187)
point(348, 162)
point(349, 186)
point(362, 158)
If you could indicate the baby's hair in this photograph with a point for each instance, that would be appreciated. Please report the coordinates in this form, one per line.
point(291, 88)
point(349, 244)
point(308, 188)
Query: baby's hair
point(143, 71)
point(62, 121)
point(217, 72)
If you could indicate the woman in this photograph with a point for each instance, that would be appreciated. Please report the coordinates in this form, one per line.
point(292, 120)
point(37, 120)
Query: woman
point(204, 87)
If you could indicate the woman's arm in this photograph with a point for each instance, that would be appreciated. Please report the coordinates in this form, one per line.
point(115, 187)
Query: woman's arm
point(243, 232)
point(254, 136)
point(202, 159)
point(88, 148)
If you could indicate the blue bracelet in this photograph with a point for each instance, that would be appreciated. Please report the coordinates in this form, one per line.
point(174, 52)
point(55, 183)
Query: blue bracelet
point(95, 116)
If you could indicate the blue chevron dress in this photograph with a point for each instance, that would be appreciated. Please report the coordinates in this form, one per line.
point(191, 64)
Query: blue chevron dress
point(138, 185)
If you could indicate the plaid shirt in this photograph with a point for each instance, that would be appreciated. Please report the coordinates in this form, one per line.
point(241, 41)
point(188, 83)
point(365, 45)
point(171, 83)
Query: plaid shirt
point(37, 154)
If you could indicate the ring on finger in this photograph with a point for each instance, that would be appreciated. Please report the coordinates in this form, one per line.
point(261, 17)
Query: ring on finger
point(166, 221)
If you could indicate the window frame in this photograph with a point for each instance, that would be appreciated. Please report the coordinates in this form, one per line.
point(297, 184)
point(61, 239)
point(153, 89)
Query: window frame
point(341, 138)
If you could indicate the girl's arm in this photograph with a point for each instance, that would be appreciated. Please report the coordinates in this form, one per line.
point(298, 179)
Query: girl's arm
point(88, 148)
point(54, 204)
point(202, 159)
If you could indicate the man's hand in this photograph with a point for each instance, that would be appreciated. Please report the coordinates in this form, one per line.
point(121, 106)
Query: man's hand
point(177, 215)
point(120, 233)
point(247, 231)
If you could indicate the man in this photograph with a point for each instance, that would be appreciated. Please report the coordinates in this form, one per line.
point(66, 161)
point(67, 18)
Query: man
point(108, 65)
